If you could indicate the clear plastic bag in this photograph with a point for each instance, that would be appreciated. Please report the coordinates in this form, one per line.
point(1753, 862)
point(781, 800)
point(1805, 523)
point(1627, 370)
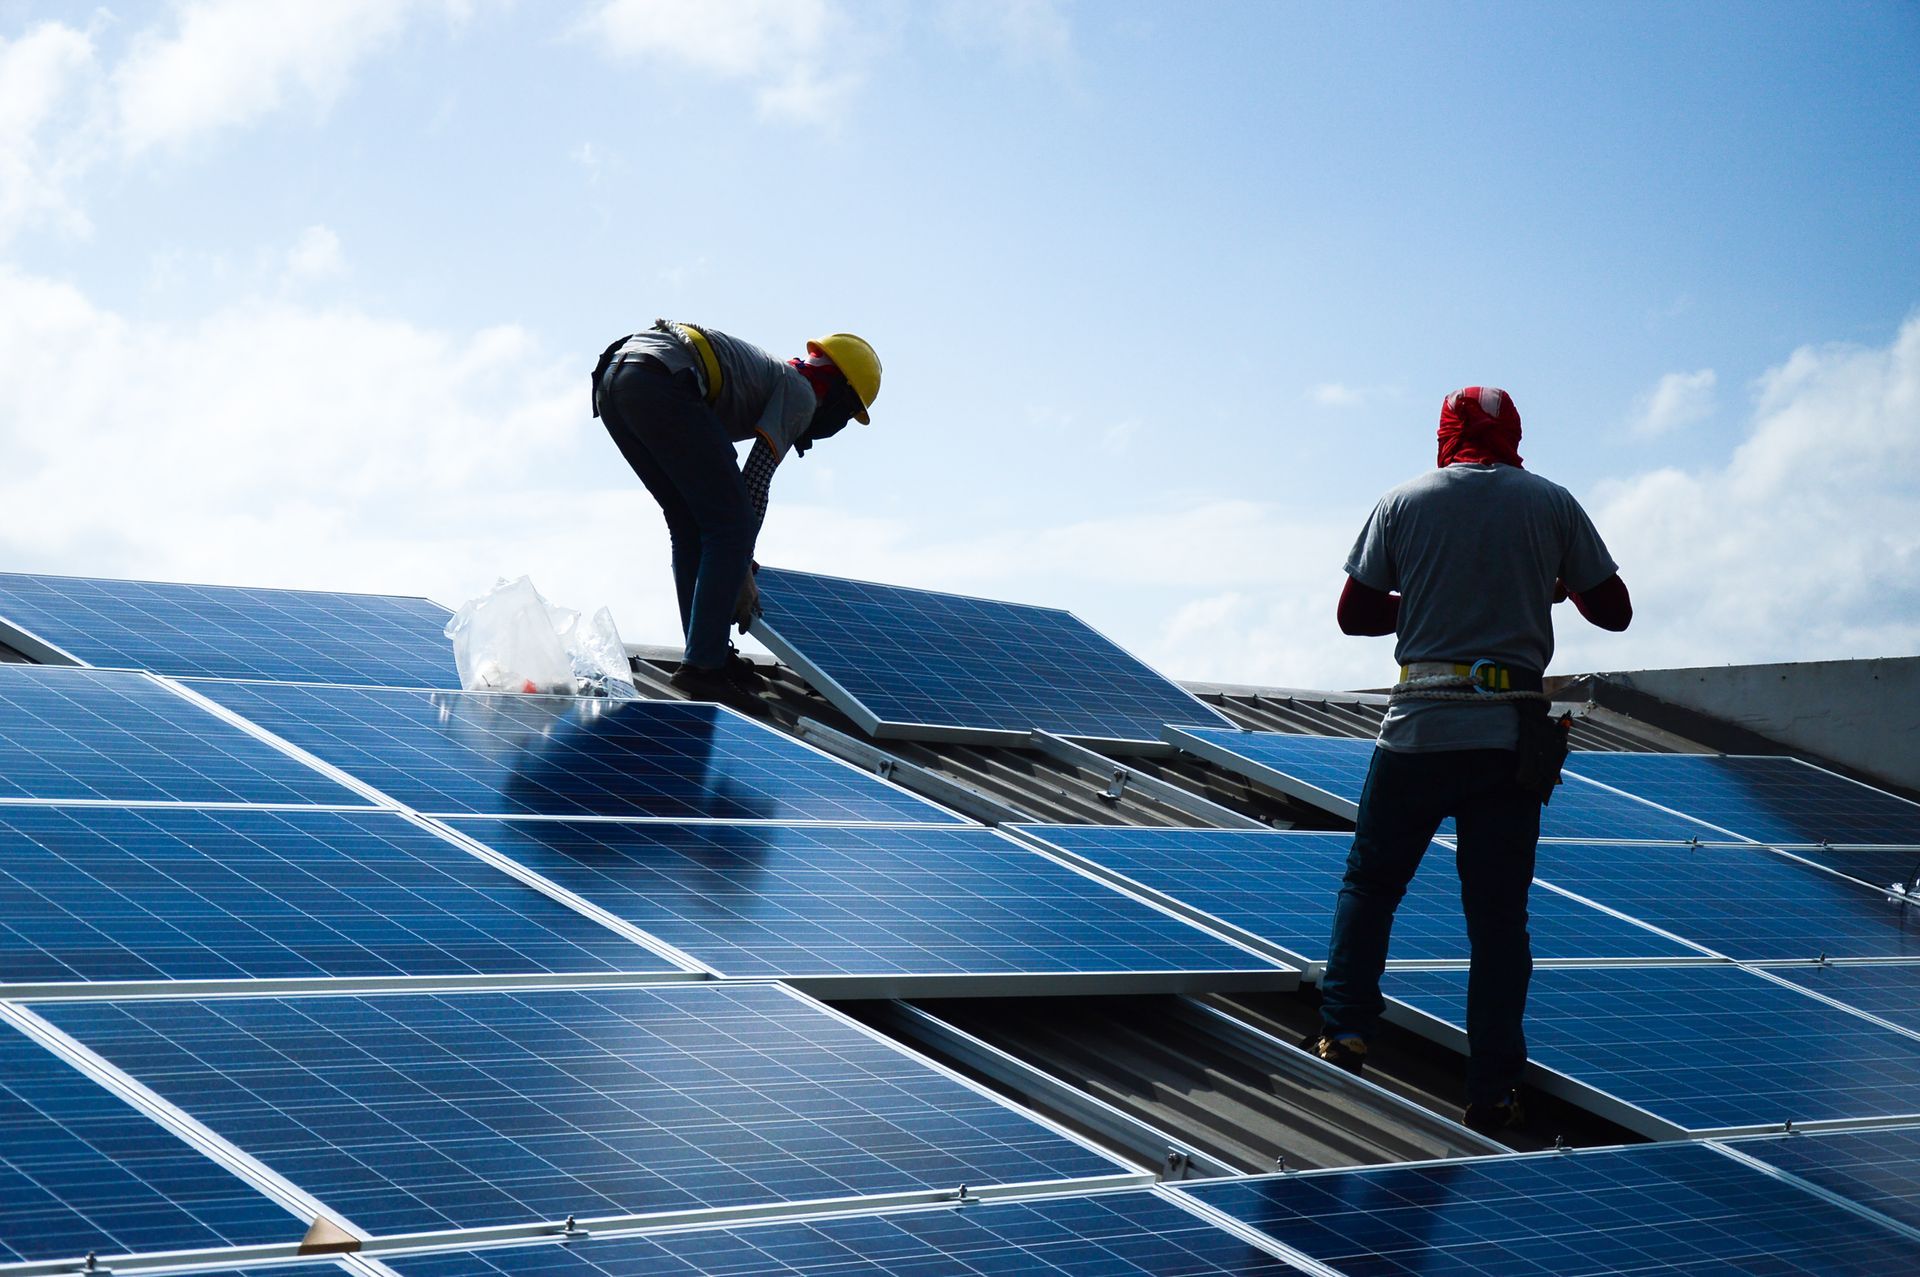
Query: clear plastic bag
point(512, 640)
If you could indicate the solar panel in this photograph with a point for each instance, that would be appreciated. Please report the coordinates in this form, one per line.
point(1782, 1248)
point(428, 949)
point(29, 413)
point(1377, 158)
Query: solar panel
point(412, 1113)
point(166, 893)
point(917, 663)
point(1282, 888)
point(1700, 1048)
point(1745, 902)
point(502, 754)
point(1130, 1234)
point(1879, 1169)
point(81, 1171)
point(122, 737)
point(1891, 992)
point(1329, 772)
point(1647, 1210)
point(798, 900)
point(221, 631)
point(1880, 867)
point(1779, 800)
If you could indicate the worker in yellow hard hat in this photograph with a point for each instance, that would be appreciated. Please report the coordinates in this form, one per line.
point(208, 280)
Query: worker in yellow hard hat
point(676, 398)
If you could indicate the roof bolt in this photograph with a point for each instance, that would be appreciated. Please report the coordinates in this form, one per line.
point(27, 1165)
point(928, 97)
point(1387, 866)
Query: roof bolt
point(1560, 1144)
point(1280, 1164)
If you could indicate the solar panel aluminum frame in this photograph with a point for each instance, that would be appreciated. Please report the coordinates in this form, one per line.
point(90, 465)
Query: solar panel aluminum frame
point(1186, 742)
point(1621, 1112)
point(881, 729)
point(1732, 1148)
point(1766, 971)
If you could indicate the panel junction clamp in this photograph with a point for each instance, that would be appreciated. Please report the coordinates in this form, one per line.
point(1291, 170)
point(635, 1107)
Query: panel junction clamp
point(1117, 787)
point(571, 1231)
point(965, 1198)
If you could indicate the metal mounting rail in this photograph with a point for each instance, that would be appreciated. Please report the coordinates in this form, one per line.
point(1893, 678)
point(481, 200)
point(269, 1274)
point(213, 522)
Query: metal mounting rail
point(1127, 779)
point(923, 781)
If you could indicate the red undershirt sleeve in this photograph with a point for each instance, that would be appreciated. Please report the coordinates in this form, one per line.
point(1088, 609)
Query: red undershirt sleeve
point(1365, 610)
point(1607, 604)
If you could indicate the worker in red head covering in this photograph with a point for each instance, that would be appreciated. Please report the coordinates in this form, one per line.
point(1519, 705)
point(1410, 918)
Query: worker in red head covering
point(1464, 564)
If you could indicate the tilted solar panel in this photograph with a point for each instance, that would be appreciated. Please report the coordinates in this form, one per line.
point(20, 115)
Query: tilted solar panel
point(1891, 992)
point(1778, 800)
point(916, 663)
point(167, 893)
point(122, 737)
point(1879, 1169)
point(1745, 902)
point(409, 1113)
point(1282, 887)
point(502, 754)
point(800, 900)
point(221, 631)
point(1329, 772)
point(1700, 1048)
point(1127, 1234)
point(80, 1171)
point(1654, 1209)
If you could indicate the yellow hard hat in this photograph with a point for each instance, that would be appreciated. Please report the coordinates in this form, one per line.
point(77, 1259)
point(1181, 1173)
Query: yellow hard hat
point(856, 362)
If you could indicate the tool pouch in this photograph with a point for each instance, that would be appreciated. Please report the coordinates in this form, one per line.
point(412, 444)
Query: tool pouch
point(1542, 750)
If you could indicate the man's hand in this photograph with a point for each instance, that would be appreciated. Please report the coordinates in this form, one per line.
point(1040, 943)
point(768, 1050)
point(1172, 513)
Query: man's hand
point(1559, 590)
point(747, 605)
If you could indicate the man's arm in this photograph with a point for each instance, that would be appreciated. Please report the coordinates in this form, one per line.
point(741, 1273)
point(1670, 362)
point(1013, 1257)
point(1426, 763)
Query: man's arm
point(758, 472)
point(1365, 610)
point(1606, 605)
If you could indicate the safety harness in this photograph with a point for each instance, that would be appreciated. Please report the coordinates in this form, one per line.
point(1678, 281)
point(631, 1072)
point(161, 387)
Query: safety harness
point(1544, 741)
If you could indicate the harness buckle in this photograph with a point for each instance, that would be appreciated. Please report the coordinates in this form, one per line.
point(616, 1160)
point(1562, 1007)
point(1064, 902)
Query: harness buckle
point(1473, 676)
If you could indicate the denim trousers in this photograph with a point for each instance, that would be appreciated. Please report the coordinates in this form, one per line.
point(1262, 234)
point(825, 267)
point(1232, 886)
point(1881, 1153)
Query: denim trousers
point(1407, 796)
point(680, 451)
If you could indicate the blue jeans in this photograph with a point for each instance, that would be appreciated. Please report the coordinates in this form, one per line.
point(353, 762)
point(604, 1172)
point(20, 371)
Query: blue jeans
point(1498, 825)
point(681, 452)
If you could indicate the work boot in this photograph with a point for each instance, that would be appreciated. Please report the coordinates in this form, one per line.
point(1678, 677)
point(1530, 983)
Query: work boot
point(699, 683)
point(1491, 1119)
point(1345, 1051)
point(743, 672)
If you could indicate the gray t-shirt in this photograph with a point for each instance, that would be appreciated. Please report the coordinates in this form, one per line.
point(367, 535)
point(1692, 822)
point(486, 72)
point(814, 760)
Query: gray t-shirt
point(1473, 551)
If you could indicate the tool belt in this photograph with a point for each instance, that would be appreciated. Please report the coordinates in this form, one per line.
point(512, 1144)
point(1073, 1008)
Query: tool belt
point(1544, 741)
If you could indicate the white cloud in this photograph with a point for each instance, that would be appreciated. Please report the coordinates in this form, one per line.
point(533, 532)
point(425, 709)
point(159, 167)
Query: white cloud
point(1337, 394)
point(1804, 546)
point(783, 47)
point(227, 62)
point(44, 78)
point(1020, 30)
point(315, 255)
point(1678, 399)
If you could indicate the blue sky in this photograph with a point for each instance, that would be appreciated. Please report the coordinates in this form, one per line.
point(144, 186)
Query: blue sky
point(1167, 295)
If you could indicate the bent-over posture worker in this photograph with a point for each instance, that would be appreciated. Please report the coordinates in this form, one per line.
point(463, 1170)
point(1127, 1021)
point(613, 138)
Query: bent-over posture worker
point(676, 398)
point(1464, 563)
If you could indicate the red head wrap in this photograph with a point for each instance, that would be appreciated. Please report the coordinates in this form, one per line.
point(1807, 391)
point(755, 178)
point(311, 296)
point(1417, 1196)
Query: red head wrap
point(1479, 424)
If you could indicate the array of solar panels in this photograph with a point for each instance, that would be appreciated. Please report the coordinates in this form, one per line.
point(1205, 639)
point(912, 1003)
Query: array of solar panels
point(1790, 887)
point(289, 931)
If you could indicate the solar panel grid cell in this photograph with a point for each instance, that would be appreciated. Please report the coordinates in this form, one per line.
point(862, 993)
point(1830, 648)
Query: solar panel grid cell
point(1779, 800)
point(925, 659)
point(1746, 902)
point(81, 1171)
point(1108, 1235)
point(1877, 1169)
point(230, 632)
point(121, 737)
point(766, 900)
point(471, 753)
point(1282, 887)
point(1703, 1048)
point(1891, 992)
point(1672, 1208)
point(409, 1112)
point(95, 893)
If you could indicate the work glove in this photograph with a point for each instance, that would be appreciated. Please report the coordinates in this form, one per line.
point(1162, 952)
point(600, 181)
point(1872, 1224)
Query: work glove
point(747, 605)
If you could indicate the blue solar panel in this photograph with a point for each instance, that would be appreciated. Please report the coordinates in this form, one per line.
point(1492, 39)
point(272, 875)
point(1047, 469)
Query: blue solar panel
point(500, 754)
point(772, 900)
point(1891, 992)
point(1662, 1208)
point(1282, 887)
point(81, 1171)
point(1703, 1047)
point(1745, 902)
point(1879, 1169)
point(915, 659)
point(1778, 800)
point(1132, 1234)
point(411, 1112)
point(168, 893)
point(1330, 771)
point(1880, 867)
point(222, 631)
point(121, 737)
